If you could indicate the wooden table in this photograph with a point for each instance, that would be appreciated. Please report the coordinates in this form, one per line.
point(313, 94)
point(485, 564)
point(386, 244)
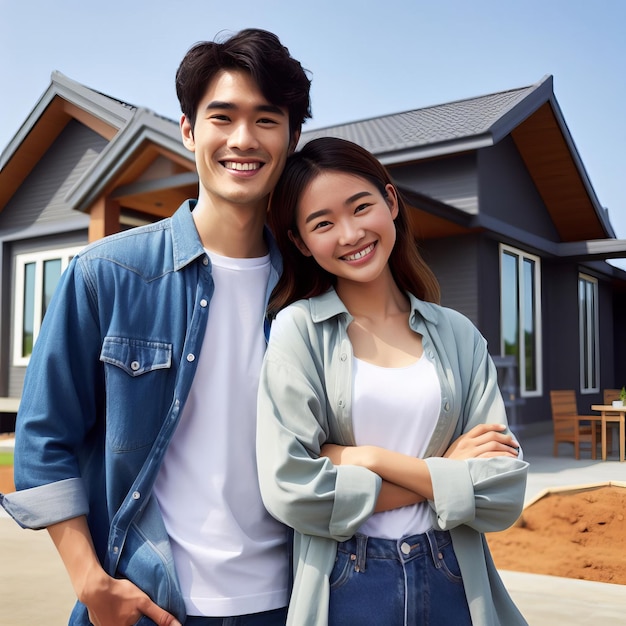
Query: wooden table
point(619, 415)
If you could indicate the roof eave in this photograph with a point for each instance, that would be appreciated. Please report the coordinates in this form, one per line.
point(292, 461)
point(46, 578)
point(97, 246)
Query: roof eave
point(145, 127)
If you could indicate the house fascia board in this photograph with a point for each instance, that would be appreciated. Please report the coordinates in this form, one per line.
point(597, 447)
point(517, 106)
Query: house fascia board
point(158, 184)
point(145, 126)
point(594, 249)
point(39, 229)
point(106, 109)
point(457, 146)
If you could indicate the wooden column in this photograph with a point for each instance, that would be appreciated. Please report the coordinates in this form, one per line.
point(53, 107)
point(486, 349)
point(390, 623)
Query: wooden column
point(104, 219)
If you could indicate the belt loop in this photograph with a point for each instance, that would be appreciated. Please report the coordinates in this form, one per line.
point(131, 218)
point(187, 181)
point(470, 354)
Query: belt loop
point(361, 552)
point(434, 548)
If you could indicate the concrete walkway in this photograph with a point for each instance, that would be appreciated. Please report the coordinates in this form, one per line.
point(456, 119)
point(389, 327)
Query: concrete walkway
point(34, 588)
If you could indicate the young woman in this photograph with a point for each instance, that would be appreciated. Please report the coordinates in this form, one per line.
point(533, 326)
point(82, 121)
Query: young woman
point(382, 434)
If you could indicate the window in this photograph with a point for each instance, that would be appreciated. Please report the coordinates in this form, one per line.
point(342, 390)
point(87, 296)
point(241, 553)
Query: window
point(36, 277)
point(589, 333)
point(520, 308)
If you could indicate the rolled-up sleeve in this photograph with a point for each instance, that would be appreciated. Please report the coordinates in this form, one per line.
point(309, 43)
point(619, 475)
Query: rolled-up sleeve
point(486, 494)
point(39, 507)
point(57, 409)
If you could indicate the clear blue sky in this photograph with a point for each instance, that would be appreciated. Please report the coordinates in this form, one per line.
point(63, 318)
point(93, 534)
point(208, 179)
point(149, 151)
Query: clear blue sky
point(366, 57)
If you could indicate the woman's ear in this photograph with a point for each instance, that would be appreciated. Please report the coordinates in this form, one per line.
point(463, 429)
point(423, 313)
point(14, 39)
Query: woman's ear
point(392, 200)
point(297, 241)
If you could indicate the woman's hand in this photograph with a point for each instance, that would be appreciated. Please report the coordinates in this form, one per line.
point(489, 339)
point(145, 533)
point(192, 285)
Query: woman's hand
point(483, 441)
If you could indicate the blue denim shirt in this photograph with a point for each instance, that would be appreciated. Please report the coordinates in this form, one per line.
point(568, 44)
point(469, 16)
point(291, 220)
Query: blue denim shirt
point(106, 385)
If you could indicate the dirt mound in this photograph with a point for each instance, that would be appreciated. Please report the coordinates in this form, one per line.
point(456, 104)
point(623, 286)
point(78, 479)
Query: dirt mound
point(574, 535)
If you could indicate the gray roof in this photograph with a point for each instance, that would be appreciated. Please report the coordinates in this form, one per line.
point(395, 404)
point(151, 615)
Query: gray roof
point(440, 129)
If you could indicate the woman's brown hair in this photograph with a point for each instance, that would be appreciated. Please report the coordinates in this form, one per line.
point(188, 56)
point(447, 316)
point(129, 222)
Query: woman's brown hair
point(302, 277)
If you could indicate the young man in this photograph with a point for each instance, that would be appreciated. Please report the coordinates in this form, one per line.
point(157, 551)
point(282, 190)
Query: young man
point(135, 442)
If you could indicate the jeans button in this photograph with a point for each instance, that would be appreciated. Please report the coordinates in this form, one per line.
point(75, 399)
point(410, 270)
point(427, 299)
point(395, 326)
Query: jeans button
point(405, 548)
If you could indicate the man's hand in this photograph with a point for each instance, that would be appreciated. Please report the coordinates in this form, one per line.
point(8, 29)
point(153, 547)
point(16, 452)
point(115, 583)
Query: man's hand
point(109, 601)
point(113, 602)
point(483, 441)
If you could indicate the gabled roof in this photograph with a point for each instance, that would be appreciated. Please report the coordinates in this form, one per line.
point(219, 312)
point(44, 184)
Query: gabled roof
point(530, 115)
point(137, 137)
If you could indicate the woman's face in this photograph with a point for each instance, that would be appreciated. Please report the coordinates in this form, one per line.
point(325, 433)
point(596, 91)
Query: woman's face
point(347, 225)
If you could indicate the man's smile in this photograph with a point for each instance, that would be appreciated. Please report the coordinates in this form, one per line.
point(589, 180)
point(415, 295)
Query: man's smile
point(242, 167)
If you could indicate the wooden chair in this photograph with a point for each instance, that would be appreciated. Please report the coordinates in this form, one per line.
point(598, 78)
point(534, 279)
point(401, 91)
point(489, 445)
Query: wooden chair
point(609, 396)
point(569, 426)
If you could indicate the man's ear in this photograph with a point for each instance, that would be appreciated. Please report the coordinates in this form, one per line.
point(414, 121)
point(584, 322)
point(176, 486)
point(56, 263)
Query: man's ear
point(392, 200)
point(297, 241)
point(293, 142)
point(186, 131)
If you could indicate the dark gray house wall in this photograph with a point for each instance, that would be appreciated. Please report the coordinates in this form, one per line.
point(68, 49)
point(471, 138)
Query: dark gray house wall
point(453, 180)
point(508, 193)
point(488, 293)
point(454, 260)
point(38, 218)
point(561, 350)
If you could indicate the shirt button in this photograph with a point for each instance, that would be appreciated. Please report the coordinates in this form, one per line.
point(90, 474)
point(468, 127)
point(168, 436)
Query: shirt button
point(136, 495)
point(405, 548)
point(203, 303)
point(446, 406)
point(191, 357)
point(205, 261)
point(344, 356)
point(115, 549)
point(134, 366)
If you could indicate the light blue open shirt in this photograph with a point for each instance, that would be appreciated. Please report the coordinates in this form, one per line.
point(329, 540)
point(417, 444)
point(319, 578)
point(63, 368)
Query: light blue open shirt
point(305, 401)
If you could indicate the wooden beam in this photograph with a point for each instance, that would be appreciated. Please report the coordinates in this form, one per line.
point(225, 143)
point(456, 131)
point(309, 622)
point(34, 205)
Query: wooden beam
point(104, 219)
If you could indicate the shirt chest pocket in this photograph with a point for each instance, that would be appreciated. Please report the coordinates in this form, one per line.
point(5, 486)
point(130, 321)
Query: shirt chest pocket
point(139, 390)
point(134, 356)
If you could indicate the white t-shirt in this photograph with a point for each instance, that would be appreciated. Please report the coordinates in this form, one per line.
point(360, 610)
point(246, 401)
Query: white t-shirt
point(396, 409)
point(230, 554)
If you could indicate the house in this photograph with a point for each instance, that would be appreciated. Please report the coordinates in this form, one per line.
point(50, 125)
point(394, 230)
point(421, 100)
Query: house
point(502, 209)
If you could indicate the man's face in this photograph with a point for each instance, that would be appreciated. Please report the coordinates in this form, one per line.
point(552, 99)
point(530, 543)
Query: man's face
point(240, 141)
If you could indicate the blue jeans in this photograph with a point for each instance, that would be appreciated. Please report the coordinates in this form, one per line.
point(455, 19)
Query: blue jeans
point(411, 581)
point(277, 617)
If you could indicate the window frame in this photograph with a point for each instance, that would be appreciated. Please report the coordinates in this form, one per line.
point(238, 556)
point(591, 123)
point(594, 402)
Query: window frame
point(22, 260)
point(595, 320)
point(538, 320)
